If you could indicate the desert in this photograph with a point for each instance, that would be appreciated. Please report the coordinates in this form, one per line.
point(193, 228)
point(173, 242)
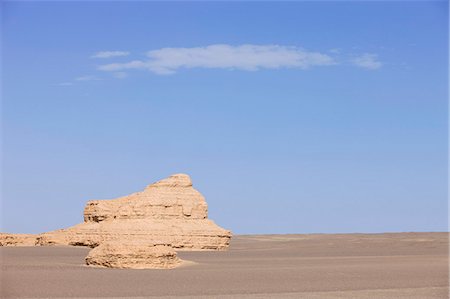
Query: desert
point(160, 243)
point(224, 149)
point(395, 265)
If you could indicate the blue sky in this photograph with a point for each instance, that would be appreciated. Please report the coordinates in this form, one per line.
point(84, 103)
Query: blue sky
point(292, 117)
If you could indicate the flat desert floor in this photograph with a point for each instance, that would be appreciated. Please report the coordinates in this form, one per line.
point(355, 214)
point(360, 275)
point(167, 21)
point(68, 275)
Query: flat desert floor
point(403, 265)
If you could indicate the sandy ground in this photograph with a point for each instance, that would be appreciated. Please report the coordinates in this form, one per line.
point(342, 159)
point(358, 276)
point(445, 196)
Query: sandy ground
point(405, 265)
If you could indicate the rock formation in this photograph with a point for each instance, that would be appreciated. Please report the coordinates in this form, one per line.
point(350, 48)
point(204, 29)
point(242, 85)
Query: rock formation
point(17, 240)
point(169, 212)
point(133, 256)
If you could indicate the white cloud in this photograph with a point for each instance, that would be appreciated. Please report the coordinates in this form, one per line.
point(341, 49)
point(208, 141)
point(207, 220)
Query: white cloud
point(109, 54)
point(87, 78)
point(245, 57)
point(112, 67)
point(367, 61)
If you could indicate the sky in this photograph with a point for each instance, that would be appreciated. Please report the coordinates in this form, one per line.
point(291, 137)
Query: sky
point(290, 117)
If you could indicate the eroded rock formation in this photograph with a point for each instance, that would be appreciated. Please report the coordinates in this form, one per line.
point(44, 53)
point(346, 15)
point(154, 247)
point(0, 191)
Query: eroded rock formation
point(133, 256)
point(172, 198)
point(17, 239)
point(169, 212)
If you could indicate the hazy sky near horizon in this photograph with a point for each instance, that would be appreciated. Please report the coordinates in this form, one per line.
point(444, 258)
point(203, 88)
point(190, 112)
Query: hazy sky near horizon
point(293, 117)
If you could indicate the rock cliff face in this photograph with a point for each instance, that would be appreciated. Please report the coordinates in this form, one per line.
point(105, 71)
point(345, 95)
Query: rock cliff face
point(172, 198)
point(169, 212)
point(133, 256)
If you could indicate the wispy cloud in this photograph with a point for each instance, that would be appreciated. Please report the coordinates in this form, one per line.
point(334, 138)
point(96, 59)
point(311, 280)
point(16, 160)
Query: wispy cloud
point(87, 78)
point(110, 54)
point(367, 61)
point(244, 57)
point(65, 84)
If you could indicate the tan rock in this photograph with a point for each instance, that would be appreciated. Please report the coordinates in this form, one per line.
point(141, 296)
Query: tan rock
point(180, 234)
point(169, 212)
point(172, 198)
point(17, 239)
point(133, 256)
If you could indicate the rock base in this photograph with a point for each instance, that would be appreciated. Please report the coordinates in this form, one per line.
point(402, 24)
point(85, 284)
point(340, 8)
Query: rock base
point(133, 256)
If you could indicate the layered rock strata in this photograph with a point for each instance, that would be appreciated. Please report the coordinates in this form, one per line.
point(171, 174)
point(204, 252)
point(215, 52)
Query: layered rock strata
point(169, 212)
point(17, 240)
point(133, 256)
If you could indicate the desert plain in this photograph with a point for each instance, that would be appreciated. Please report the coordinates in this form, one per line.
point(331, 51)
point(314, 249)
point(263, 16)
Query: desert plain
point(393, 265)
